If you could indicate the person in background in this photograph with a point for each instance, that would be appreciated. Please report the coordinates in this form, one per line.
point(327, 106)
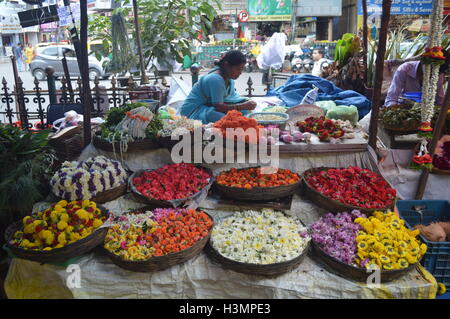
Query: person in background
point(29, 54)
point(409, 77)
point(215, 94)
point(318, 56)
point(18, 53)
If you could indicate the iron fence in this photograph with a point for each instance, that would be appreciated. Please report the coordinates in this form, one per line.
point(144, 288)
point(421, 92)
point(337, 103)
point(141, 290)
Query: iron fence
point(37, 99)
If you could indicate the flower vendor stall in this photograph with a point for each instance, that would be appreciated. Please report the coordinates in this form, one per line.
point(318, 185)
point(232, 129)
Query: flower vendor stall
point(203, 276)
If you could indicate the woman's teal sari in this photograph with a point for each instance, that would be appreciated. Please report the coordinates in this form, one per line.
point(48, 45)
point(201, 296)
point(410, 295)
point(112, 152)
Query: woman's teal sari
point(209, 90)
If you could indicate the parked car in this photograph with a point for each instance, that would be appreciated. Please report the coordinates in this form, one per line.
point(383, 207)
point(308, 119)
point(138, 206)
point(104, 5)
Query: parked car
point(53, 55)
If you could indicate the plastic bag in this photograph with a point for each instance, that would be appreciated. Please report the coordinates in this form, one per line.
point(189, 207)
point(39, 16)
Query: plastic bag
point(344, 112)
point(272, 55)
point(325, 105)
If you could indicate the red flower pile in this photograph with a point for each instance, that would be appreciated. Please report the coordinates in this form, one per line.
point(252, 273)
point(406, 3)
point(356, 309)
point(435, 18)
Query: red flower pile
point(174, 181)
point(324, 128)
point(353, 186)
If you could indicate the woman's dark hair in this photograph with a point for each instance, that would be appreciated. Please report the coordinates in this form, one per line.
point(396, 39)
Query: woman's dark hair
point(233, 57)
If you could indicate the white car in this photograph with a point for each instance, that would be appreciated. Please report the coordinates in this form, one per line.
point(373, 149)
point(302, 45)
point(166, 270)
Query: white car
point(53, 55)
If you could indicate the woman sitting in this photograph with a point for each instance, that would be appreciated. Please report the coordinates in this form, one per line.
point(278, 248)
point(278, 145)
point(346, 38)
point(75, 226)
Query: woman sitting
point(214, 94)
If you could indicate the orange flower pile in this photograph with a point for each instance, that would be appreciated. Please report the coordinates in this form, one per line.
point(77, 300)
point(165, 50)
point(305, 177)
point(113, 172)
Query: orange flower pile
point(252, 177)
point(180, 230)
point(137, 116)
point(234, 119)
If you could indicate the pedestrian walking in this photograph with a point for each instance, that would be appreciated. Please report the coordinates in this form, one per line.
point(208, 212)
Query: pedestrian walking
point(29, 54)
point(18, 53)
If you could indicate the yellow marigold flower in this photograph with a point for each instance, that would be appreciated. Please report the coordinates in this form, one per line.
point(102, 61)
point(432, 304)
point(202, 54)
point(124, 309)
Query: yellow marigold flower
point(378, 214)
point(410, 258)
point(379, 247)
point(396, 265)
point(423, 249)
point(391, 250)
point(65, 217)
point(74, 237)
point(441, 288)
point(49, 238)
point(388, 266)
point(360, 220)
point(82, 214)
point(401, 253)
point(368, 227)
point(47, 248)
point(69, 229)
point(371, 240)
point(59, 246)
point(414, 251)
point(25, 243)
point(97, 223)
point(403, 263)
point(85, 203)
point(84, 233)
point(62, 238)
point(385, 259)
point(62, 225)
point(25, 219)
point(62, 203)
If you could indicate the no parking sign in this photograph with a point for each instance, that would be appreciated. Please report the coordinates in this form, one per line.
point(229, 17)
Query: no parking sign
point(243, 16)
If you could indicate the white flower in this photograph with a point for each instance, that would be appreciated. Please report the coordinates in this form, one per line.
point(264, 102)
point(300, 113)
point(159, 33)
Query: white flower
point(259, 237)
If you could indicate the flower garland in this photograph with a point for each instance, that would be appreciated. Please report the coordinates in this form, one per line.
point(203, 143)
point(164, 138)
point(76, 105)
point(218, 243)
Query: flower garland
point(431, 59)
point(85, 179)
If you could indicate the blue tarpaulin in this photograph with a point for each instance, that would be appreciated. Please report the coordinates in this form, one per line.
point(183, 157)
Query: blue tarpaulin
point(296, 87)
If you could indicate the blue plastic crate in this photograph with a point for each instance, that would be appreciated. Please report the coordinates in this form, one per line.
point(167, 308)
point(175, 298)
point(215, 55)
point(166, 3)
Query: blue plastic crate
point(437, 257)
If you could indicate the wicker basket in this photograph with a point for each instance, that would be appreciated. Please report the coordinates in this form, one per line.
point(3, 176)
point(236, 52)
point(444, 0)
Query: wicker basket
point(271, 270)
point(110, 195)
point(78, 248)
point(136, 146)
point(257, 193)
point(158, 263)
point(440, 171)
point(165, 203)
point(331, 205)
point(354, 273)
point(67, 149)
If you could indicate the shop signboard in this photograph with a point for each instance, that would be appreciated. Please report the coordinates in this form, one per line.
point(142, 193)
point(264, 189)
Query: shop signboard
point(412, 7)
point(269, 10)
point(319, 8)
point(9, 23)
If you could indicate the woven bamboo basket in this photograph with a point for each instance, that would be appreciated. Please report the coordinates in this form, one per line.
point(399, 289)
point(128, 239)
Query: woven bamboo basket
point(257, 193)
point(67, 149)
point(165, 203)
point(271, 270)
point(136, 146)
point(331, 205)
point(352, 272)
point(78, 248)
point(440, 171)
point(158, 263)
point(110, 195)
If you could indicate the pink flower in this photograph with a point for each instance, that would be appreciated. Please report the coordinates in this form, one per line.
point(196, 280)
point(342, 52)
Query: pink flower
point(123, 245)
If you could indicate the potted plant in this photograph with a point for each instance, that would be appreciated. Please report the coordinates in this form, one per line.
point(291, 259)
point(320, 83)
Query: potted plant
point(26, 166)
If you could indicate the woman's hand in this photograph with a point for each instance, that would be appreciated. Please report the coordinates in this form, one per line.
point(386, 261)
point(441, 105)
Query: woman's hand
point(248, 105)
point(223, 108)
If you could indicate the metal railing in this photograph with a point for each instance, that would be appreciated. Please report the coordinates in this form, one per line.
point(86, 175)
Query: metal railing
point(37, 99)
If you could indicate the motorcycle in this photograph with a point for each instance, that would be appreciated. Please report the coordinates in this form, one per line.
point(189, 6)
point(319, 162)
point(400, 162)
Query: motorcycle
point(249, 64)
point(297, 63)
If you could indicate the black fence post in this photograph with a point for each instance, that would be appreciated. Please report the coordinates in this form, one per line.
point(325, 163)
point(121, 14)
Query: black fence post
point(250, 89)
point(8, 100)
point(51, 84)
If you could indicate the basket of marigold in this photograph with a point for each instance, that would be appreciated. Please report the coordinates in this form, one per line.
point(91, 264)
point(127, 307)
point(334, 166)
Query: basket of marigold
point(239, 128)
point(146, 241)
point(62, 231)
point(257, 183)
